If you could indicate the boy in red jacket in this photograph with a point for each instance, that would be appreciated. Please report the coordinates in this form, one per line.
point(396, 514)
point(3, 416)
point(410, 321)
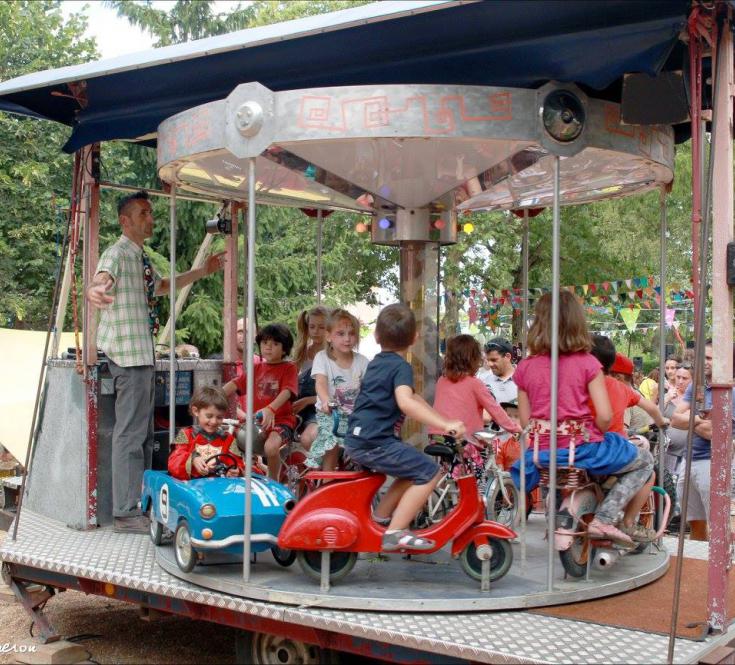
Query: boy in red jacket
point(195, 446)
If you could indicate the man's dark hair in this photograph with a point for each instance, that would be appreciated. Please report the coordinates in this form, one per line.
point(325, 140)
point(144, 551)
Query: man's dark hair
point(125, 201)
point(278, 333)
point(604, 350)
point(395, 328)
point(499, 344)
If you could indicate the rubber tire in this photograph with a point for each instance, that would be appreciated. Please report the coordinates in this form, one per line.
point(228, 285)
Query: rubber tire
point(571, 558)
point(155, 531)
point(261, 648)
point(283, 557)
point(340, 564)
point(500, 562)
point(182, 532)
point(508, 516)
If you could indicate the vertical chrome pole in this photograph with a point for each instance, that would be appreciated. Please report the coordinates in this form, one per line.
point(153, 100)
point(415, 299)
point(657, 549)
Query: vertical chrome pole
point(524, 343)
point(662, 339)
point(319, 256)
point(172, 306)
point(248, 364)
point(524, 329)
point(555, 281)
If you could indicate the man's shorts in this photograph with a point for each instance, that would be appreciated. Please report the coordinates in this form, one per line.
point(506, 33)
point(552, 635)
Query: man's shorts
point(698, 505)
point(392, 457)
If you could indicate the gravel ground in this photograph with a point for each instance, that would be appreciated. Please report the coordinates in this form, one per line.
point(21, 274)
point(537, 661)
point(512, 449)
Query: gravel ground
point(114, 633)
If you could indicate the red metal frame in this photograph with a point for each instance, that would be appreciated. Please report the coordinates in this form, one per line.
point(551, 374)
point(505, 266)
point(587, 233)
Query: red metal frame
point(722, 336)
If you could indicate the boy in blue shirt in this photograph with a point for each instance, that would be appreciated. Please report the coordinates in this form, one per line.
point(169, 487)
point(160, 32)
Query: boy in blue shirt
point(372, 438)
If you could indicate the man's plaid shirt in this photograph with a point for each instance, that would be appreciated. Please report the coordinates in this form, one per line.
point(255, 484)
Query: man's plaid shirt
point(124, 332)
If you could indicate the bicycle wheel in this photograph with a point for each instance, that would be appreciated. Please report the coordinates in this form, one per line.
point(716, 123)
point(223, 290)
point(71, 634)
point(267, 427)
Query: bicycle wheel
point(500, 508)
point(436, 507)
point(574, 560)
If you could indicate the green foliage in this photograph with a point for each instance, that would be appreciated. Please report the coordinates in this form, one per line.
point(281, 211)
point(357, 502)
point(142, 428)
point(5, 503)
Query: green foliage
point(35, 176)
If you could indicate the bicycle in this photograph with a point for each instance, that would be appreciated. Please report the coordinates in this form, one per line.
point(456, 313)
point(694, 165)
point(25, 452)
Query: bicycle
point(500, 495)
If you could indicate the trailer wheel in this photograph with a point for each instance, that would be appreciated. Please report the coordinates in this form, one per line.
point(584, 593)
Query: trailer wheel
point(340, 564)
point(261, 648)
point(501, 559)
point(185, 555)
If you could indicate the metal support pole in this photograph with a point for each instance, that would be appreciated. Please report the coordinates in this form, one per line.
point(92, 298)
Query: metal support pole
point(555, 281)
point(319, 256)
point(524, 277)
point(722, 317)
point(523, 440)
point(662, 334)
point(172, 301)
point(247, 362)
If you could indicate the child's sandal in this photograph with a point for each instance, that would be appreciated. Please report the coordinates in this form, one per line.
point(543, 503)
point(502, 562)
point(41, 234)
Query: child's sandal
point(395, 541)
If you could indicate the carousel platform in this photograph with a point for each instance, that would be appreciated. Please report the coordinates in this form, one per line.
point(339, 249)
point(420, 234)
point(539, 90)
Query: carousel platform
point(126, 567)
point(427, 583)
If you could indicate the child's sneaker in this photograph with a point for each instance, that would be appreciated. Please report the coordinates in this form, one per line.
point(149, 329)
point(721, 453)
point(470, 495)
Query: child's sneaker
point(396, 541)
point(638, 533)
point(602, 530)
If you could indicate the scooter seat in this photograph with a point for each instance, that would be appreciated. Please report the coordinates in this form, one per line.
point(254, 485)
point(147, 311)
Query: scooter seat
point(337, 475)
point(440, 450)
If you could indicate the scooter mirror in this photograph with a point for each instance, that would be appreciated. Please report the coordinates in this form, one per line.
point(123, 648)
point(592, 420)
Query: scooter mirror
point(258, 439)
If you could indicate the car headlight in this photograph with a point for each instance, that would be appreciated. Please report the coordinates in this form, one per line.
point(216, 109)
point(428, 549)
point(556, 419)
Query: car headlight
point(208, 511)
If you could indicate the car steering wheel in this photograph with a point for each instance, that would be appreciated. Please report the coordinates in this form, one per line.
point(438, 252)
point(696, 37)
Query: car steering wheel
point(221, 466)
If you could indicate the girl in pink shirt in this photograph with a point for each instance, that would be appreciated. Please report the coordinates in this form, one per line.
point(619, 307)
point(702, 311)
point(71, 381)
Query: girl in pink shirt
point(462, 396)
point(580, 380)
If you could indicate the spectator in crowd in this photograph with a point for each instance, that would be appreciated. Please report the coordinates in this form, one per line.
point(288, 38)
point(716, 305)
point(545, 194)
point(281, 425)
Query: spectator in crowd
point(499, 380)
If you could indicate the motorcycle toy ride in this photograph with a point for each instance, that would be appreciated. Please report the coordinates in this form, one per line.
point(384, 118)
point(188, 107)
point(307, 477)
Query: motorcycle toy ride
point(331, 525)
point(578, 496)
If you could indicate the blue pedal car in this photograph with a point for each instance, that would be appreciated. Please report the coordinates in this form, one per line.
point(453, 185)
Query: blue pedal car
point(207, 515)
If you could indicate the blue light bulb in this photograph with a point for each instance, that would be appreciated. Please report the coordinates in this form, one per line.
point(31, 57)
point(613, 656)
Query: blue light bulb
point(384, 223)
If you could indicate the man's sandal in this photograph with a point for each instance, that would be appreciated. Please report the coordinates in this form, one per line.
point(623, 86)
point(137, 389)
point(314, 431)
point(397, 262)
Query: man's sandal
point(396, 541)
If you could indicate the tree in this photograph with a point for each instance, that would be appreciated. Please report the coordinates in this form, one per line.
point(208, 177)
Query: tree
point(286, 265)
point(35, 176)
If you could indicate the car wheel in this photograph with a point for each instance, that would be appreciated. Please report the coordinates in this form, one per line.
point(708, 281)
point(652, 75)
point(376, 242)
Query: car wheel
point(282, 556)
point(186, 557)
point(156, 530)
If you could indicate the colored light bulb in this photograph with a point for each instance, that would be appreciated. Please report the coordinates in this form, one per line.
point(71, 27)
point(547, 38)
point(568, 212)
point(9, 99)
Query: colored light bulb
point(468, 227)
point(385, 223)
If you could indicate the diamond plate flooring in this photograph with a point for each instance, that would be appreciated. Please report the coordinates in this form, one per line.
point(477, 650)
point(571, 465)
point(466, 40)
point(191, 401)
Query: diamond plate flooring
point(506, 636)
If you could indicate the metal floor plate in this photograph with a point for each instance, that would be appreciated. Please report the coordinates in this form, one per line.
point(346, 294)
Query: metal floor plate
point(504, 636)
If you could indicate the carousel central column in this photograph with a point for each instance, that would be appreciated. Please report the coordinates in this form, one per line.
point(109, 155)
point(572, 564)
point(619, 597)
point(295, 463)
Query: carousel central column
point(419, 289)
point(418, 233)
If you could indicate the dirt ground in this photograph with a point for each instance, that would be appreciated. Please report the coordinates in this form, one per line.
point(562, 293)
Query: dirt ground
point(112, 632)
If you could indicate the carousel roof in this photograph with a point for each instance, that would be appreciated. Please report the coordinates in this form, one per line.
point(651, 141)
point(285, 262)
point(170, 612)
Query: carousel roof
point(499, 43)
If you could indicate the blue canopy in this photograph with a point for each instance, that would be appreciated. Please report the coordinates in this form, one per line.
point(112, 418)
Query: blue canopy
point(500, 42)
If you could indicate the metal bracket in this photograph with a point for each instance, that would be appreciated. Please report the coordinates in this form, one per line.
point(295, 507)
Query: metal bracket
point(326, 565)
point(33, 604)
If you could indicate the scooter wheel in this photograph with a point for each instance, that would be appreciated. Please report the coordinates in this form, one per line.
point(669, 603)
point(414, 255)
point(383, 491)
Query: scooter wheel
point(340, 564)
point(282, 556)
point(574, 560)
point(500, 561)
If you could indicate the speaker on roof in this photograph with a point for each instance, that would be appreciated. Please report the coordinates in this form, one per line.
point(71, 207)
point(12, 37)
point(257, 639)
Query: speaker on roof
point(654, 100)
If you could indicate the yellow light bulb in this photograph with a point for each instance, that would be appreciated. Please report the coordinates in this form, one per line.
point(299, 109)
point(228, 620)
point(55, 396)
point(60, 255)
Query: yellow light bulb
point(468, 227)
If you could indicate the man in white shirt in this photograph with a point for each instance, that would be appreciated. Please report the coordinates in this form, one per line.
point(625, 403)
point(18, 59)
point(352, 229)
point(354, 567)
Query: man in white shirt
point(499, 380)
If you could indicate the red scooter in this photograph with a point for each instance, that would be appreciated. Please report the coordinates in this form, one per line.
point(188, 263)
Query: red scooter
point(331, 525)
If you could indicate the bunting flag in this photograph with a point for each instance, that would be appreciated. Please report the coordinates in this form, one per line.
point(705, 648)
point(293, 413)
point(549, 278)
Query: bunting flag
point(630, 317)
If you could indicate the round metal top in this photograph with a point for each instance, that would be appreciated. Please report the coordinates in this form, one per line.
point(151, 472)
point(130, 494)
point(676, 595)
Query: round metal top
point(469, 147)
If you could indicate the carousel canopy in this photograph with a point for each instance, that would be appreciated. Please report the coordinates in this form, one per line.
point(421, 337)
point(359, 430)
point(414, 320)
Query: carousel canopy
point(499, 43)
